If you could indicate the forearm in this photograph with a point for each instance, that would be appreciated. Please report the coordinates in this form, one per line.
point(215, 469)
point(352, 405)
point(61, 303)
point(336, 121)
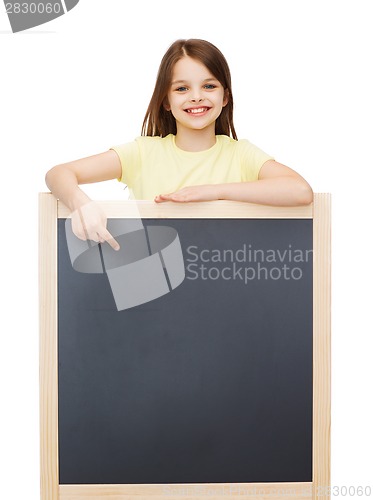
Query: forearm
point(279, 191)
point(64, 185)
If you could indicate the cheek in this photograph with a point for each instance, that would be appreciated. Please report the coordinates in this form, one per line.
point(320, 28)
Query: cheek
point(176, 103)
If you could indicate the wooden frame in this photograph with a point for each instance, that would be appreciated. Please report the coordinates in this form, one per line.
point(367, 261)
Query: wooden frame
point(319, 211)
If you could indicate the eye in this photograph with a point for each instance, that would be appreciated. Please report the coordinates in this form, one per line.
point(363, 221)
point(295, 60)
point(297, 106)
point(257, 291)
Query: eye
point(181, 89)
point(210, 86)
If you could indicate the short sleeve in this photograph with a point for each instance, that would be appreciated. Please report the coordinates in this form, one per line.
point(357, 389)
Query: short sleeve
point(252, 159)
point(130, 159)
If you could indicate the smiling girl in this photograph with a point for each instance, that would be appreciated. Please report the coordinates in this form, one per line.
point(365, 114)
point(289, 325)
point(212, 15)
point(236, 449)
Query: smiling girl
point(188, 150)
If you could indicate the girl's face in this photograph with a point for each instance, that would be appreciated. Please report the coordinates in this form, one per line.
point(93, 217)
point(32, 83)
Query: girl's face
point(196, 98)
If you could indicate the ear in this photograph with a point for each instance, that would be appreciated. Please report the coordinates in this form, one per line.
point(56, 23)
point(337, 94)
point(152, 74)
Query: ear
point(166, 104)
point(226, 97)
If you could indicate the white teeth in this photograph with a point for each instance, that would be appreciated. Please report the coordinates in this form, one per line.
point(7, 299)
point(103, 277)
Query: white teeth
point(197, 110)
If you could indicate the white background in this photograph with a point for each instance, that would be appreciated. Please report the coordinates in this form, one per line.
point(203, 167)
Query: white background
point(302, 83)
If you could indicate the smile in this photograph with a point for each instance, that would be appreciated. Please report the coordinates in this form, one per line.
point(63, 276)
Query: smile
point(197, 111)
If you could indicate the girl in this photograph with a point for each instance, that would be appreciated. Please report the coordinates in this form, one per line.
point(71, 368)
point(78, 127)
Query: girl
point(188, 150)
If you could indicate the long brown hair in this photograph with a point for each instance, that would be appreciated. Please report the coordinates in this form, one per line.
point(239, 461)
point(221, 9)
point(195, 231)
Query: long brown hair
point(160, 122)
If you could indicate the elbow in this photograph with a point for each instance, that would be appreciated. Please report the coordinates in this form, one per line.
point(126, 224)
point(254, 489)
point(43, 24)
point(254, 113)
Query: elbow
point(52, 176)
point(304, 194)
point(49, 176)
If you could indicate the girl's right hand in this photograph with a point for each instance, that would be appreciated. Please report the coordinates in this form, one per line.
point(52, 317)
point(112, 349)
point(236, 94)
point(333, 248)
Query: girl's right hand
point(89, 223)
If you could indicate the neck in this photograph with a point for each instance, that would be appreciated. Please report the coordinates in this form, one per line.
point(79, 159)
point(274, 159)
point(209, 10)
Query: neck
point(195, 140)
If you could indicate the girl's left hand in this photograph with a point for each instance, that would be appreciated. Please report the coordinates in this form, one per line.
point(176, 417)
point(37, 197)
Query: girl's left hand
point(207, 192)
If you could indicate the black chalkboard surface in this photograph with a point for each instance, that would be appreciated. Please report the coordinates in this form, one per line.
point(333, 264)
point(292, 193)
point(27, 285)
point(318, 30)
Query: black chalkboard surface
point(210, 383)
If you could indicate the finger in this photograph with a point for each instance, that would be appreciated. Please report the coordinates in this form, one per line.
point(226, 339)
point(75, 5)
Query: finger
point(176, 197)
point(80, 233)
point(106, 236)
point(93, 235)
point(160, 199)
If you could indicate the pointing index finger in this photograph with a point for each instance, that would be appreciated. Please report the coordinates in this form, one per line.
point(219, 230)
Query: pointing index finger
point(110, 240)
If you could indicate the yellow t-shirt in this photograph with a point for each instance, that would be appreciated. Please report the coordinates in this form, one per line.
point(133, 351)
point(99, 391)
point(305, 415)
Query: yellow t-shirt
point(155, 165)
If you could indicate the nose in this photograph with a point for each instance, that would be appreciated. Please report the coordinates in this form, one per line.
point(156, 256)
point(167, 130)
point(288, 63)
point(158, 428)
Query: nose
point(196, 96)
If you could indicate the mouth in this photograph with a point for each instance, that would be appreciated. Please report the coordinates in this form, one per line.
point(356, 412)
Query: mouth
point(197, 111)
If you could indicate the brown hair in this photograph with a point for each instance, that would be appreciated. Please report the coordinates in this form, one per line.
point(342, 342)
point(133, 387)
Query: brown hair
point(160, 122)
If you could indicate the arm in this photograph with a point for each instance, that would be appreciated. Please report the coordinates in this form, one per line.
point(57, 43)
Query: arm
point(89, 222)
point(277, 185)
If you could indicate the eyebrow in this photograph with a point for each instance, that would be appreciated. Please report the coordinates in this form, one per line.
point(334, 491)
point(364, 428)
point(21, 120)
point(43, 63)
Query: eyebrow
point(186, 81)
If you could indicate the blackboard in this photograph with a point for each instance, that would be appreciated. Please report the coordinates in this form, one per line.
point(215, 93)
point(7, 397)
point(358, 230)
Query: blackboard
point(225, 380)
point(210, 383)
